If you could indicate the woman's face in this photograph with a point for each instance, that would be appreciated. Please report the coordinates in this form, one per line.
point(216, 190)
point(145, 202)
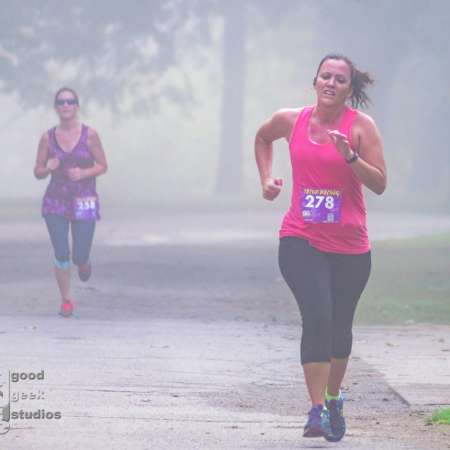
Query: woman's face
point(333, 82)
point(66, 105)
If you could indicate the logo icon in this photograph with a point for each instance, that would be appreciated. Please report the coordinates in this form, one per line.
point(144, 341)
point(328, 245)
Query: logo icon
point(5, 402)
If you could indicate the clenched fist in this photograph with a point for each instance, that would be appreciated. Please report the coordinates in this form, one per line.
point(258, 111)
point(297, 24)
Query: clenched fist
point(75, 174)
point(52, 164)
point(271, 188)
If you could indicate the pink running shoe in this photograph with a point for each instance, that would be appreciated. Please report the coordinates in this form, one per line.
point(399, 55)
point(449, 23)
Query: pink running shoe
point(66, 308)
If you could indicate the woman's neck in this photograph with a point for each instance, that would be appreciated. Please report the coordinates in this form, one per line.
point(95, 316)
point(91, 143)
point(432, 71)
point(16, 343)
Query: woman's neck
point(69, 124)
point(328, 114)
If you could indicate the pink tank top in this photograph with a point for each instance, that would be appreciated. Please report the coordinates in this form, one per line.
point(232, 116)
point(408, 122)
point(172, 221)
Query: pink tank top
point(327, 205)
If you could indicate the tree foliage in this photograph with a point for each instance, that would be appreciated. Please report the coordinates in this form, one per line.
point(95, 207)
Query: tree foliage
point(99, 45)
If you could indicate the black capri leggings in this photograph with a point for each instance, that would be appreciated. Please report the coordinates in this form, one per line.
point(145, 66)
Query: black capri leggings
point(327, 287)
point(82, 237)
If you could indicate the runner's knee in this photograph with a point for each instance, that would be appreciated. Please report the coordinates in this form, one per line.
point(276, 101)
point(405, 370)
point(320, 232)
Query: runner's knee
point(80, 259)
point(83, 233)
point(342, 343)
point(316, 343)
point(80, 254)
point(62, 255)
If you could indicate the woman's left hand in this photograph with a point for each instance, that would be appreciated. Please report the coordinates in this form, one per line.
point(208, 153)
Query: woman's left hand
point(76, 173)
point(340, 141)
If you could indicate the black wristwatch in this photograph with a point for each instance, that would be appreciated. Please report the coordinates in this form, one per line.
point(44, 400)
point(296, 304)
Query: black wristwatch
point(353, 158)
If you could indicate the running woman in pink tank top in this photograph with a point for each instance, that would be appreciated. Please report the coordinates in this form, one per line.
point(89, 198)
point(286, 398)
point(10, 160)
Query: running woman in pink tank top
point(324, 252)
point(72, 154)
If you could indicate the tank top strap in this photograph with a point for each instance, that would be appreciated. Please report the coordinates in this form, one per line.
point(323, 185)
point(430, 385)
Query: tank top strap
point(53, 145)
point(84, 134)
point(51, 134)
point(303, 115)
point(347, 123)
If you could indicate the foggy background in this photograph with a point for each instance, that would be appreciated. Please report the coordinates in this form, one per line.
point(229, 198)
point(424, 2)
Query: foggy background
point(177, 89)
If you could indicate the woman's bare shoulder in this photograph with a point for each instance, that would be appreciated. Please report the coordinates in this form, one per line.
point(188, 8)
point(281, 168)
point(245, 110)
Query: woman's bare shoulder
point(44, 138)
point(284, 119)
point(363, 120)
point(287, 114)
point(92, 132)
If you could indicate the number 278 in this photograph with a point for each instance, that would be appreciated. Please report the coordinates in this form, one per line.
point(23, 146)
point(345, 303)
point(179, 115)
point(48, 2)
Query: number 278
point(314, 201)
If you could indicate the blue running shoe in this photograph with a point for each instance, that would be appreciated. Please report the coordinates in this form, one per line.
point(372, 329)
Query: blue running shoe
point(337, 422)
point(318, 424)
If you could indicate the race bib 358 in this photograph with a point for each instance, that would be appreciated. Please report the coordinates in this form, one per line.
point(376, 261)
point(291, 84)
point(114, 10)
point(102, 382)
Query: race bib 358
point(85, 208)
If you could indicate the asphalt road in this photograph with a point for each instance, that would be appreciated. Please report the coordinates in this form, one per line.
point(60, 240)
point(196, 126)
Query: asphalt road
point(185, 338)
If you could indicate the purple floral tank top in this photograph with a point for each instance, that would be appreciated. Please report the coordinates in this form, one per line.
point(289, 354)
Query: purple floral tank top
point(74, 200)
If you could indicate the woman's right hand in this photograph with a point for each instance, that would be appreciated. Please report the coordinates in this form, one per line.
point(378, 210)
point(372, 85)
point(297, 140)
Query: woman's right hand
point(271, 188)
point(52, 164)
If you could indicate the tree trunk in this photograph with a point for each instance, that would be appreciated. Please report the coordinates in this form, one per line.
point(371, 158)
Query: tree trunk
point(229, 171)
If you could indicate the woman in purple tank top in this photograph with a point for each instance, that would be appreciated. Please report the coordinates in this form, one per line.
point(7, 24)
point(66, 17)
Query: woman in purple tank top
point(72, 154)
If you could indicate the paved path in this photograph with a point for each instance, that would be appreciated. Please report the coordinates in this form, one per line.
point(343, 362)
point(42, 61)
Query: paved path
point(175, 346)
point(155, 228)
point(183, 384)
point(415, 360)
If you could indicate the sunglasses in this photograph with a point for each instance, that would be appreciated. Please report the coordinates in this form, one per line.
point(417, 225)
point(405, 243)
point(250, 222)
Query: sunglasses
point(70, 101)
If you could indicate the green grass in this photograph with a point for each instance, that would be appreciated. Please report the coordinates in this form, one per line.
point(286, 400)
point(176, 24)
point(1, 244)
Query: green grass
point(410, 282)
point(441, 417)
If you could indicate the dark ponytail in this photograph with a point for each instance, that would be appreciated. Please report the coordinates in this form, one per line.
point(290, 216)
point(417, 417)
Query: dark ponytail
point(359, 81)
